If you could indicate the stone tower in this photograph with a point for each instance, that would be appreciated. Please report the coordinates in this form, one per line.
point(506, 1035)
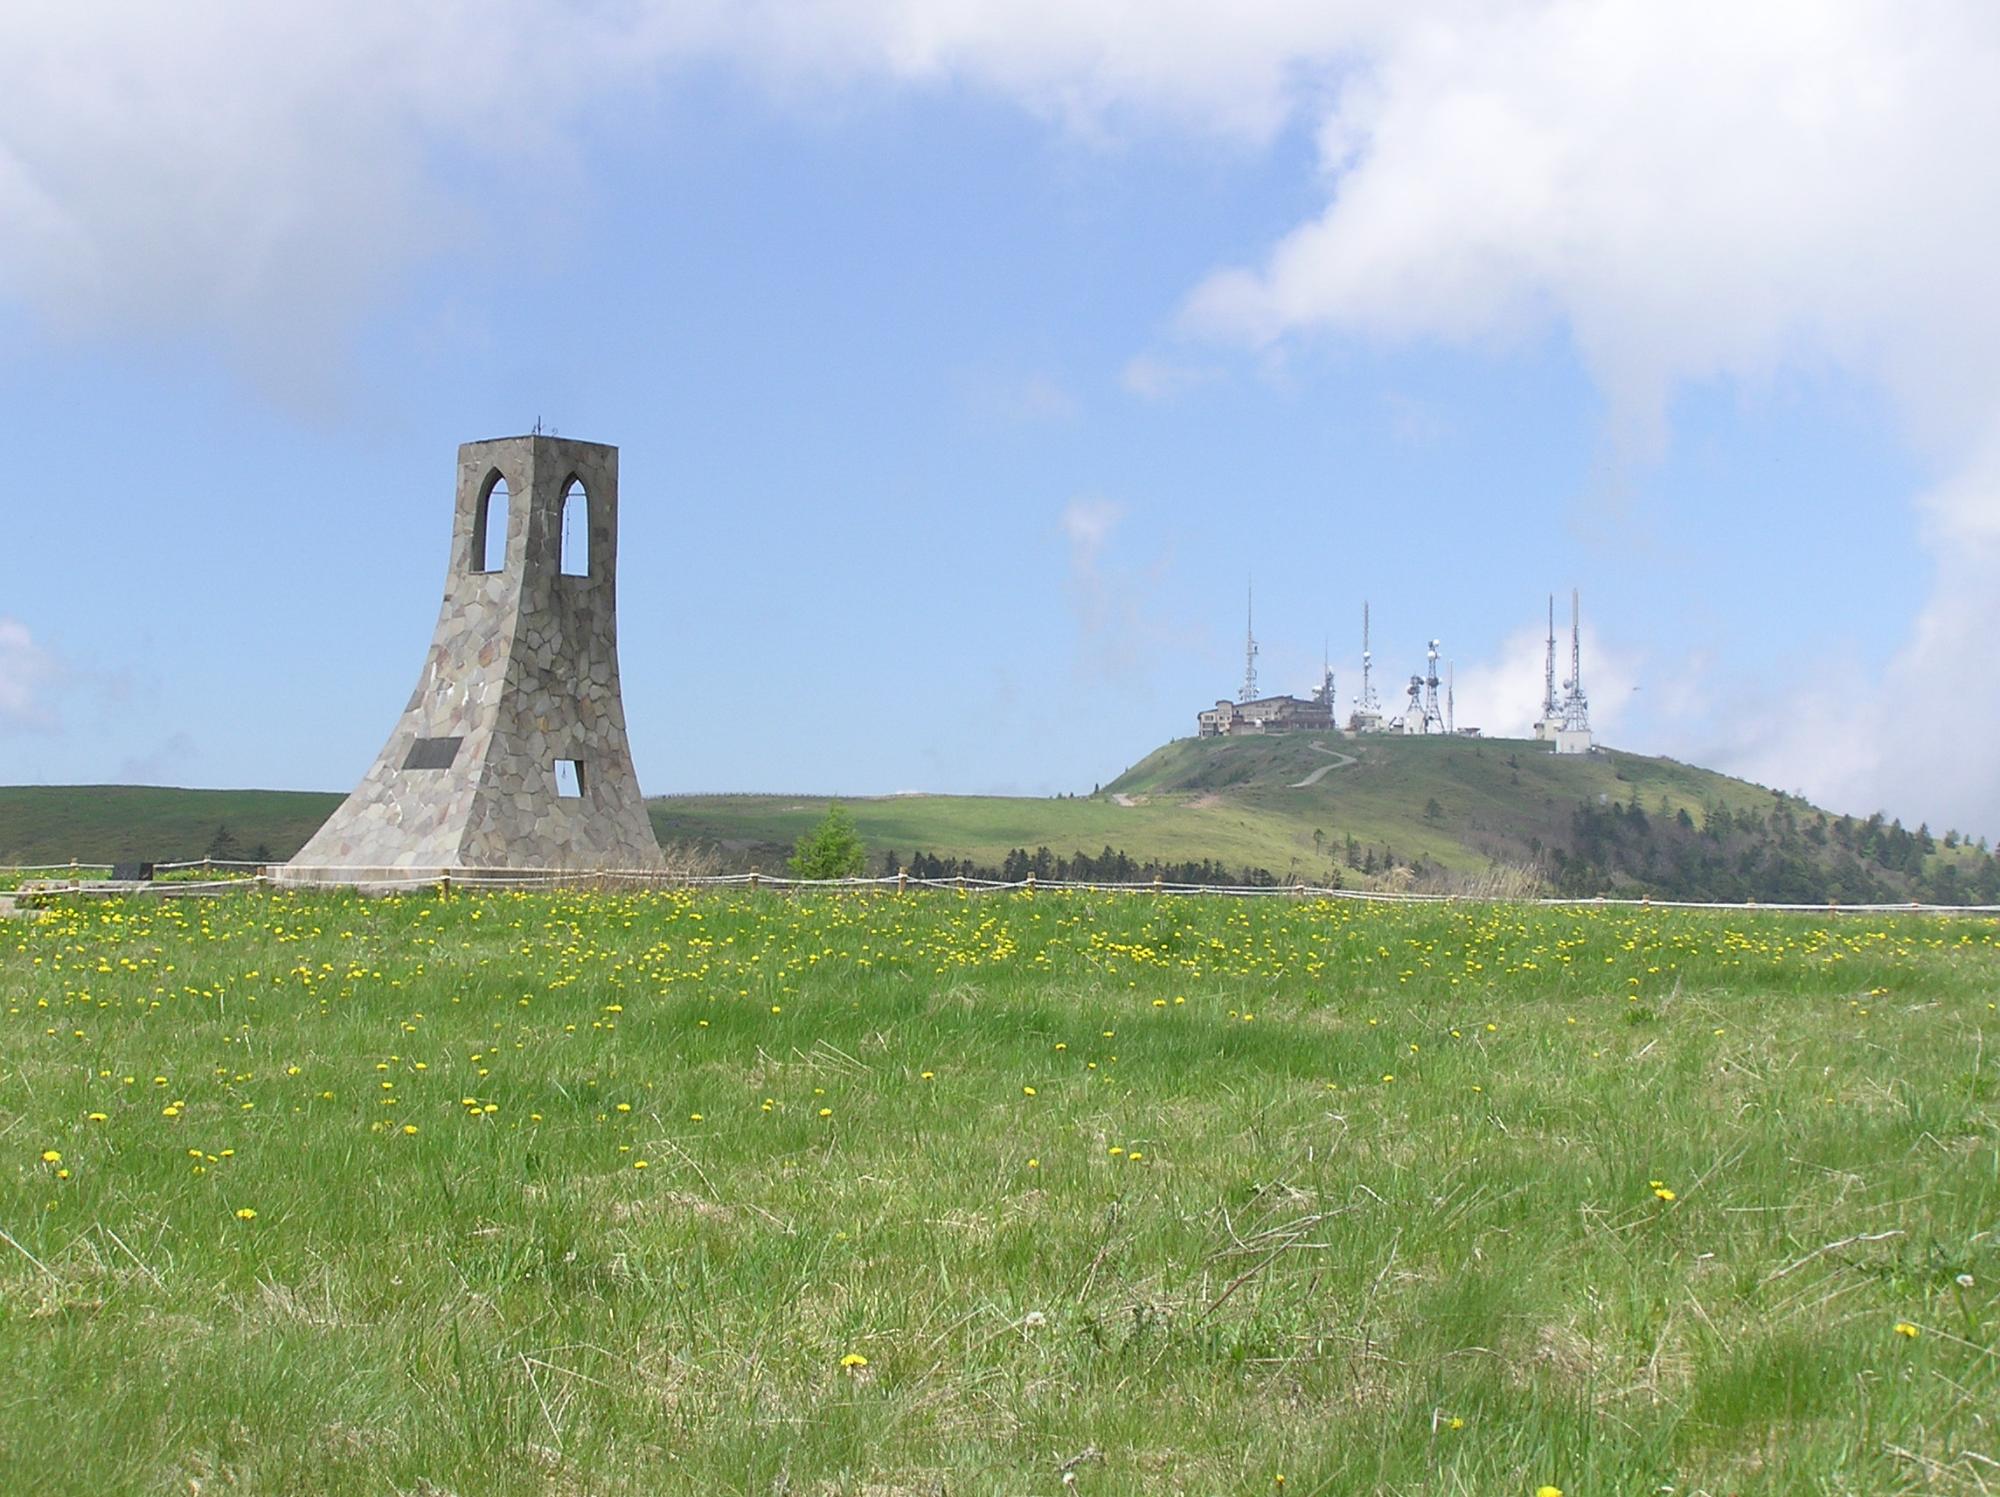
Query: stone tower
point(512, 752)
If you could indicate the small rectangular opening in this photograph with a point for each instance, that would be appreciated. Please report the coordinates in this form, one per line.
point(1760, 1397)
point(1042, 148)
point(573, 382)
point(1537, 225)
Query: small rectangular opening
point(432, 753)
point(569, 778)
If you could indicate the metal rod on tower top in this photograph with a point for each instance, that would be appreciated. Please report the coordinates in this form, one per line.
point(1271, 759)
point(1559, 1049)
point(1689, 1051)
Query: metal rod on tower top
point(1576, 641)
point(1249, 693)
point(1549, 668)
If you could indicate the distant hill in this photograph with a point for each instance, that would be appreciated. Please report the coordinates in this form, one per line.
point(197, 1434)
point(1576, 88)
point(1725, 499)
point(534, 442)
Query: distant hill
point(112, 823)
point(1387, 811)
point(1440, 813)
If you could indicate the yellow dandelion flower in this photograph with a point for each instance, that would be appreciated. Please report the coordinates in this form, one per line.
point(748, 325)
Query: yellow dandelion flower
point(853, 1360)
point(1034, 1164)
point(638, 1164)
point(409, 1128)
point(51, 1156)
point(245, 1214)
point(1027, 1091)
point(826, 1112)
point(1904, 1328)
point(1663, 1193)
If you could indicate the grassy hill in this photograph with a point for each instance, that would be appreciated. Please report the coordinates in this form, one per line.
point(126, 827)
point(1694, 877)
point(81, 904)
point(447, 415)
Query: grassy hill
point(1242, 801)
point(1445, 811)
point(109, 823)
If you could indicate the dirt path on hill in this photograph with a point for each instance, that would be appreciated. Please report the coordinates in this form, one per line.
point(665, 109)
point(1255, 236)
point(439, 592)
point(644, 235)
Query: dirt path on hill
point(1339, 759)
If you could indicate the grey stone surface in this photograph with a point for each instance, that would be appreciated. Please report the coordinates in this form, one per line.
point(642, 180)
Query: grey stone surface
point(523, 670)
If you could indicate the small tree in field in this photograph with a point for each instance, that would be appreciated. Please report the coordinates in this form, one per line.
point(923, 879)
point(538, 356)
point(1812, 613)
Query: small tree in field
point(830, 850)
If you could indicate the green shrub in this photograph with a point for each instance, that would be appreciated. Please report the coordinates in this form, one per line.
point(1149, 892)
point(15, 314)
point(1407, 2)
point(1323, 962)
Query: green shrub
point(830, 850)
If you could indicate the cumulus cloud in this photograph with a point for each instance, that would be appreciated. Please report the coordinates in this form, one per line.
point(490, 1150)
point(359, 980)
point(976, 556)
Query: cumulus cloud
point(1684, 192)
point(262, 170)
point(1502, 695)
point(27, 680)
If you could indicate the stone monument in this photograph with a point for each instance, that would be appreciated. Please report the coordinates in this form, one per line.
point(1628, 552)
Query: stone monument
point(512, 753)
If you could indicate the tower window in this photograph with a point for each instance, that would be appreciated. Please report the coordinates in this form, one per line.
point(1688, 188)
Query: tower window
point(569, 779)
point(489, 528)
point(575, 530)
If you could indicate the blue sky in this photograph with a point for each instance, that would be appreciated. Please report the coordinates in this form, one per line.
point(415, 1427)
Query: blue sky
point(958, 398)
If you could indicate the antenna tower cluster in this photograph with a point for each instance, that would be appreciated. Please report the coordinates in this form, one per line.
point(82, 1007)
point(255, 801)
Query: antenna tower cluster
point(1430, 700)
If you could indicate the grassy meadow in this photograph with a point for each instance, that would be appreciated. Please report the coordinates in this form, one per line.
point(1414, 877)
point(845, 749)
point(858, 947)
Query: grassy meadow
point(586, 1193)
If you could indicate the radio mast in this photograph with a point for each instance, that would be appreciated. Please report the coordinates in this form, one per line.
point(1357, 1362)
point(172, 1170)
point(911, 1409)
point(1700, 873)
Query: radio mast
point(1249, 692)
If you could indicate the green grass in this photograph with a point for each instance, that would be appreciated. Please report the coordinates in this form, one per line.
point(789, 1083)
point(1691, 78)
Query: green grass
point(151, 823)
point(905, 1130)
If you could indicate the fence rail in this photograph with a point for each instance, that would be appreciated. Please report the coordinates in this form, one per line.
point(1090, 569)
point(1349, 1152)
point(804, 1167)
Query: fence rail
point(467, 880)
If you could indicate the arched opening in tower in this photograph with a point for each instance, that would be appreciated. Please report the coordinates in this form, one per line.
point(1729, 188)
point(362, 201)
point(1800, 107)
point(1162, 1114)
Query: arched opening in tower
point(489, 528)
point(575, 530)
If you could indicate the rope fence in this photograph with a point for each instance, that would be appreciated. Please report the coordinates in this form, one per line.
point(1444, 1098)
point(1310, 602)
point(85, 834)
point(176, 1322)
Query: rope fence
point(472, 880)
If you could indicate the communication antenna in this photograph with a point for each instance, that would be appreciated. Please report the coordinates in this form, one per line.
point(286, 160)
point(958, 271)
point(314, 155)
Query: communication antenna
point(1413, 708)
point(1450, 716)
point(1367, 701)
point(1549, 670)
point(1249, 692)
point(1433, 719)
point(1576, 706)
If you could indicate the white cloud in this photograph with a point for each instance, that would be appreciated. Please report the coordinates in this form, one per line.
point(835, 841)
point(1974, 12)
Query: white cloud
point(1502, 696)
point(27, 680)
point(1690, 192)
point(1089, 523)
point(1119, 633)
point(1685, 192)
point(262, 170)
point(1153, 378)
point(1038, 398)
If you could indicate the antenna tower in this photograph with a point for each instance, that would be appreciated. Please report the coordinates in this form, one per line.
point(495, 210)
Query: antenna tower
point(1549, 671)
point(1450, 717)
point(1367, 701)
point(1249, 692)
point(1576, 706)
point(1433, 719)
